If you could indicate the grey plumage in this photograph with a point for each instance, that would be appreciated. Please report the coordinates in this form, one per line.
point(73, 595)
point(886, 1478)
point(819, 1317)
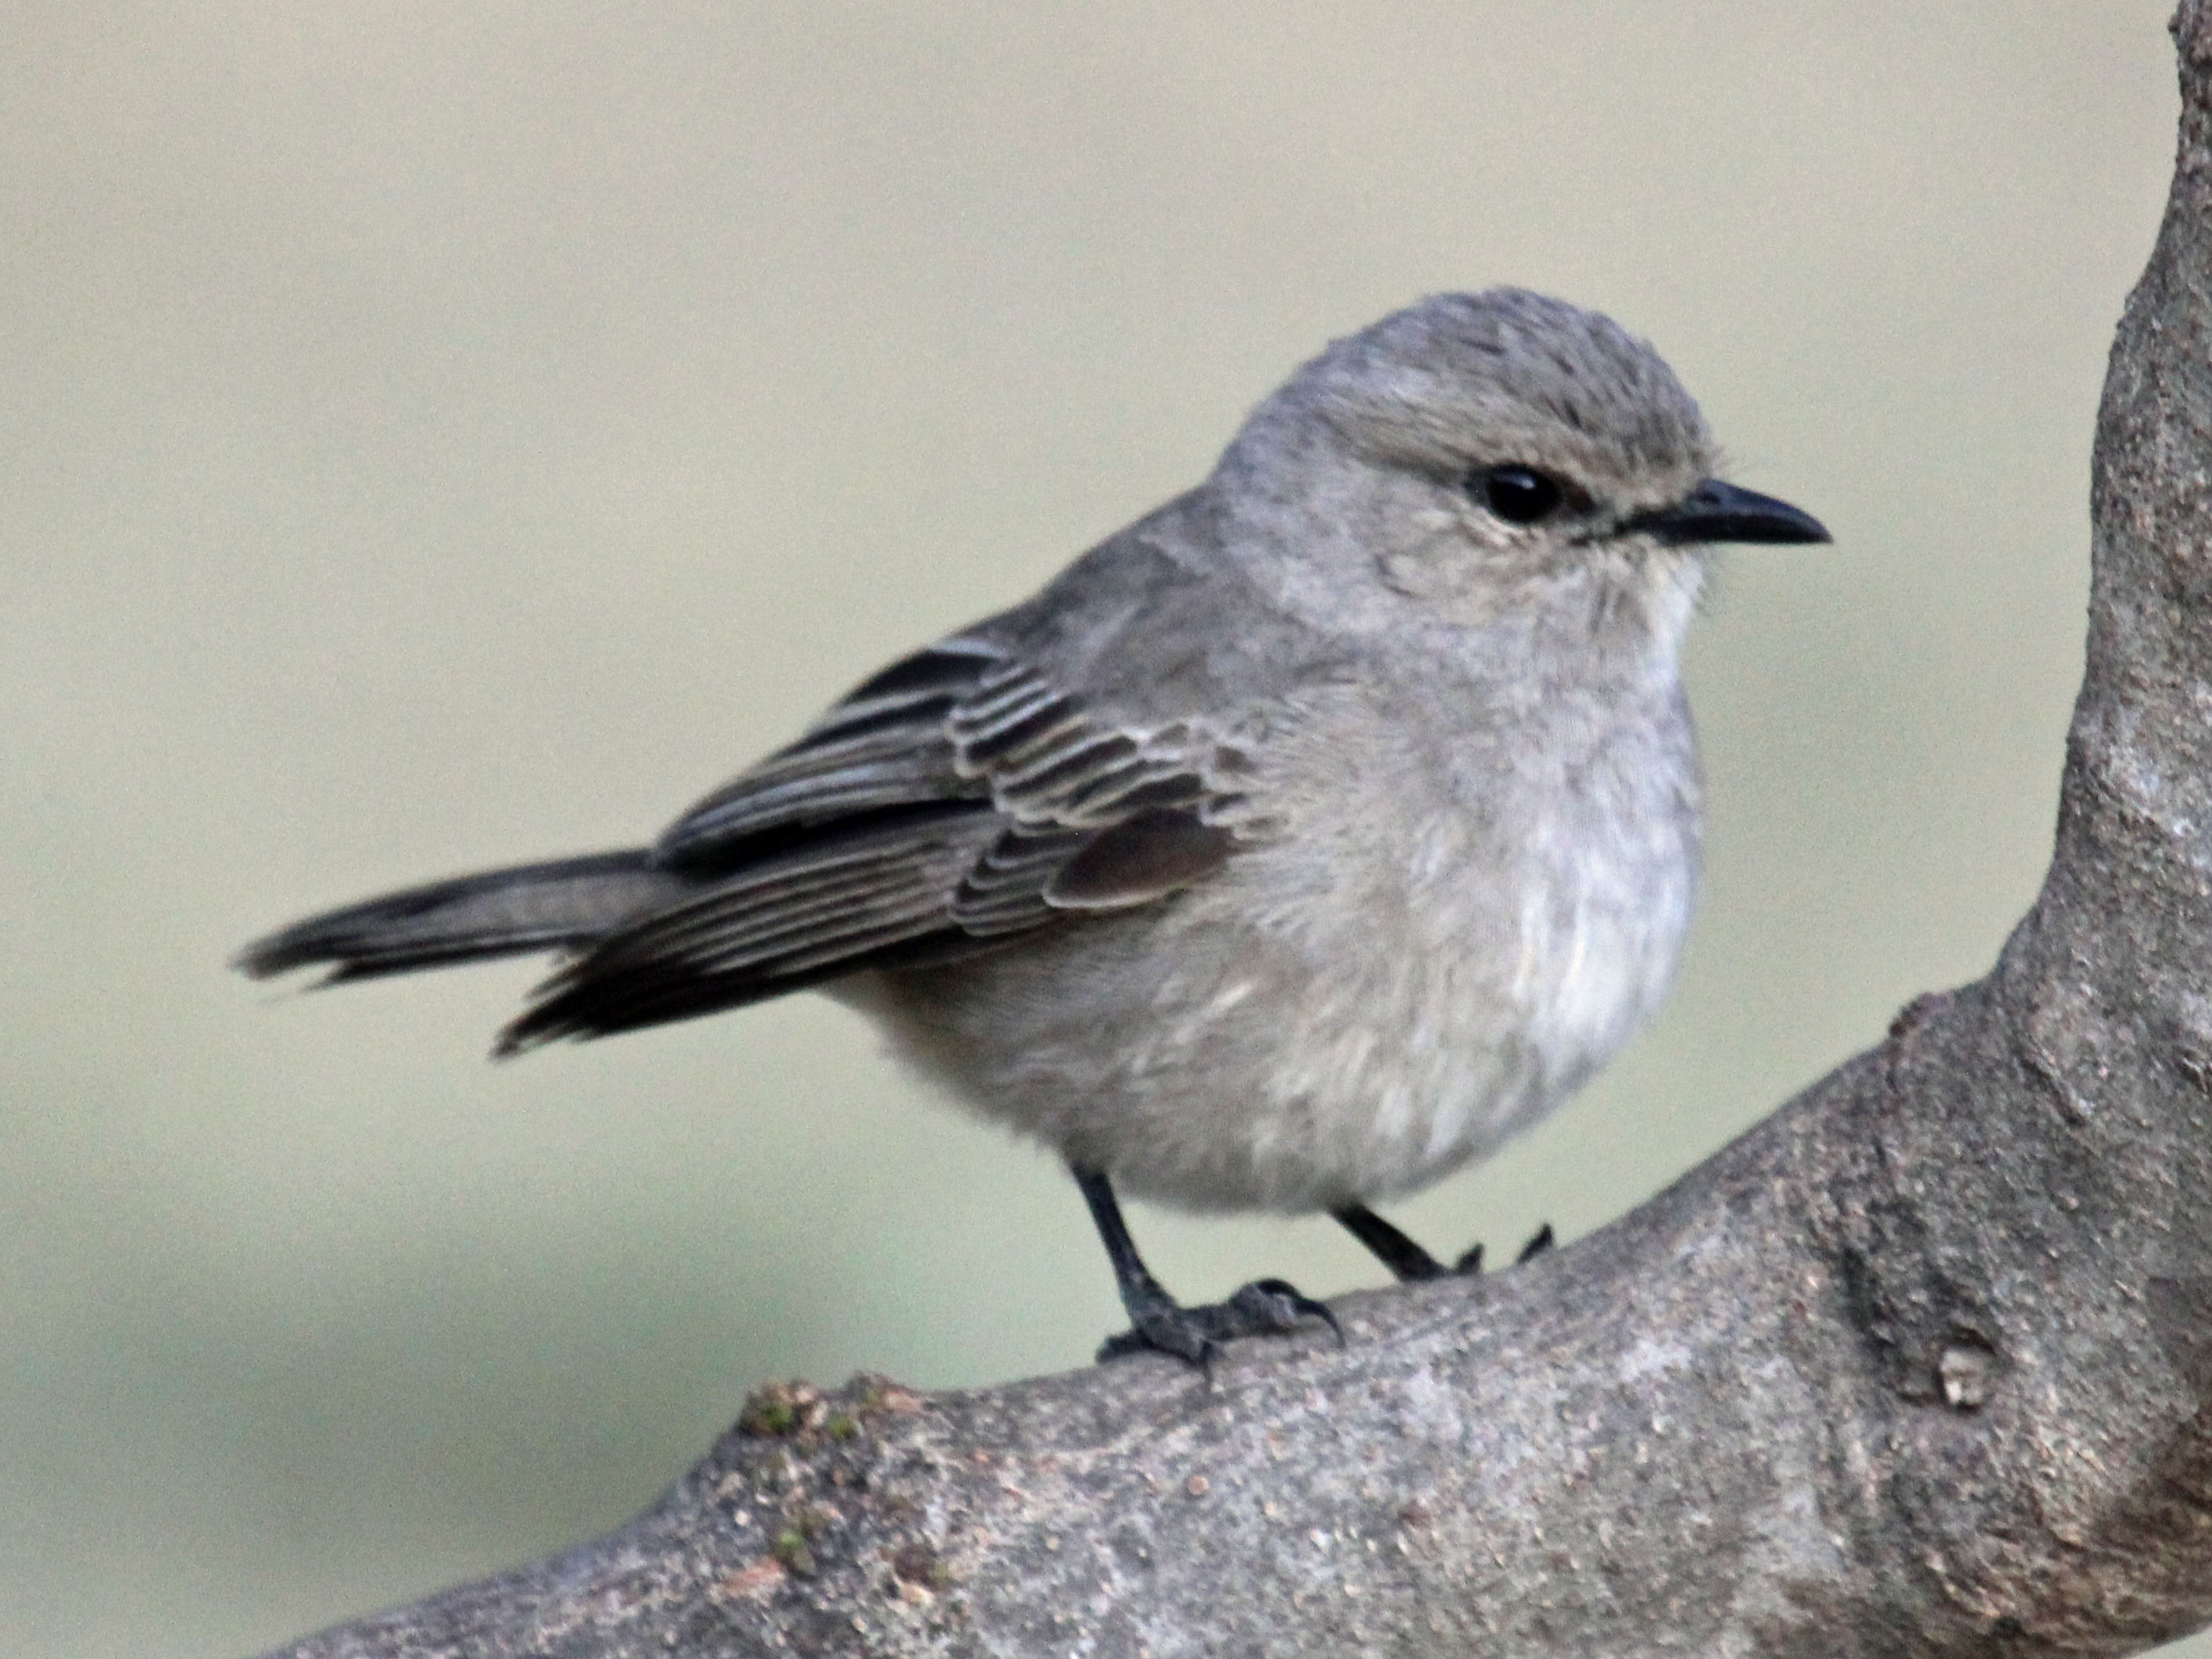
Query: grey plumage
point(564, 904)
point(1296, 845)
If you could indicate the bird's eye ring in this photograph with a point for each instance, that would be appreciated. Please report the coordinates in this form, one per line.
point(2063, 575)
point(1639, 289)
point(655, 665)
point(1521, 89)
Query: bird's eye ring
point(1518, 494)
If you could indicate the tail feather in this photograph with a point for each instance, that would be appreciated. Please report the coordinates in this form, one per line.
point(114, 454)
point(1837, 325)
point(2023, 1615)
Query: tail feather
point(564, 904)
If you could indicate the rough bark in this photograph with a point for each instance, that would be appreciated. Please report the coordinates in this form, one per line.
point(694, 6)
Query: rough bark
point(1922, 1364)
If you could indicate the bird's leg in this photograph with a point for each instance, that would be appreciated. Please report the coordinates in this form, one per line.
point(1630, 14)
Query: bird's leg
point(1408, 1260)
point(1159, 1323)
point(1400, 1255)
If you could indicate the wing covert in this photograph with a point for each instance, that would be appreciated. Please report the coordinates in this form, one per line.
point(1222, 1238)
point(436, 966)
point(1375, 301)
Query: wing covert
point(956, 799)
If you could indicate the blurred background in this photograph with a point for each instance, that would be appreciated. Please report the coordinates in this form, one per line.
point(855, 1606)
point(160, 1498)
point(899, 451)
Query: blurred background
point(441, 436)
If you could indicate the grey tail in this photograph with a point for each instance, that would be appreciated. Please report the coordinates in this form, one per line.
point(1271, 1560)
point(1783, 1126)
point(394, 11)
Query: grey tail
point(565, 904)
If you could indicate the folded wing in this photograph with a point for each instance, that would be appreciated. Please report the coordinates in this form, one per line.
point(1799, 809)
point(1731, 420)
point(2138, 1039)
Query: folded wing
point(952, 802)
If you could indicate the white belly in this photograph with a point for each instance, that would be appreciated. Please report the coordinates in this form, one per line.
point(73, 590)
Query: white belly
point(1300, 1032)
point(1406, 1060)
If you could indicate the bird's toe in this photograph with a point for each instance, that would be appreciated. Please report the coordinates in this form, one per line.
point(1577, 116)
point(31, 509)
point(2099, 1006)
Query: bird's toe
point(1265, 1307)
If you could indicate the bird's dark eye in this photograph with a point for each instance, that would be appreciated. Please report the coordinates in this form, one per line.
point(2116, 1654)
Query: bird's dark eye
point(1518, 494)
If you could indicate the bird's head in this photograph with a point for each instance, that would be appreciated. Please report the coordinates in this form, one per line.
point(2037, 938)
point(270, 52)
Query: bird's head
point(1486, 457)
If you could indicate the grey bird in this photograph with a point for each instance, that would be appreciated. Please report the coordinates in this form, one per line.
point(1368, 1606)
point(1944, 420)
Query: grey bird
point(1294, 847)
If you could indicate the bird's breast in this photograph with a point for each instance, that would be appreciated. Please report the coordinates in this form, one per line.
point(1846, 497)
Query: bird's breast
point(1461, 937)
point(1431, 947)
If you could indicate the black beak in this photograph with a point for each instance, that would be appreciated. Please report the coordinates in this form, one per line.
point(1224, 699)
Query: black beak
point(1718, 511)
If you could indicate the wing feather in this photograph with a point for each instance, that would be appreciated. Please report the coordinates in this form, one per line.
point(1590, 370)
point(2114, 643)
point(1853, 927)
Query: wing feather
point(956, 799)
point(771, 928)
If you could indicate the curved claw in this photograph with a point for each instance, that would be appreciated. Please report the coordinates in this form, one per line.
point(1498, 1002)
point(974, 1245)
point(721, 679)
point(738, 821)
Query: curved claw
point(1276, 1304)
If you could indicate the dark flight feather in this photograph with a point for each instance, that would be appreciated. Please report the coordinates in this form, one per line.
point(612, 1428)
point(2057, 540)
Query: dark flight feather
point(954, 800)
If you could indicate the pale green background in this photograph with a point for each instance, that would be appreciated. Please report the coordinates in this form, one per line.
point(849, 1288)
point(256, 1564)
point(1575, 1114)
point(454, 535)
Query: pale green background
point(436, 436)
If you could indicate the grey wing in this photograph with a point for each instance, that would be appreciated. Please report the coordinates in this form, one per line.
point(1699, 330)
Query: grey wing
point(956, 799)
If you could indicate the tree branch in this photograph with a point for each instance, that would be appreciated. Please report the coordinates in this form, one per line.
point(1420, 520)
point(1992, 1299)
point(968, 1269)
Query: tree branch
point(1923, 1364)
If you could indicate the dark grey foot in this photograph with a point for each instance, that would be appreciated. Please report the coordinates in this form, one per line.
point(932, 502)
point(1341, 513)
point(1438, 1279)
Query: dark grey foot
point(1407, 1261)
point(1160, 1324)
point(1265, 1307)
